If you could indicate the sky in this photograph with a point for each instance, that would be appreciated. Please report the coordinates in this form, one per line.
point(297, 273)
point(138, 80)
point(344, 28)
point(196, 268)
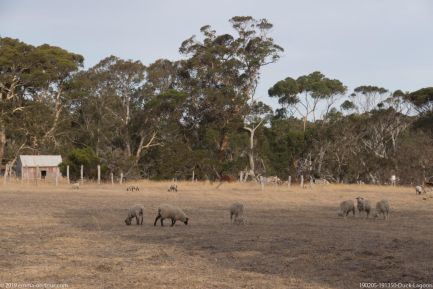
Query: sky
point(387, 43)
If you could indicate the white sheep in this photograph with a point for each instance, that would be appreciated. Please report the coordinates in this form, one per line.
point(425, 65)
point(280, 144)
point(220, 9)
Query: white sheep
point(346, 207)
point(236, 210)
point(363, 205)
point(382, 207)
point(273, 180)
point(166, 211)
point(132, 188)
point(136, 211)
point(173, 188)
point(419, 190)
point(321, 181)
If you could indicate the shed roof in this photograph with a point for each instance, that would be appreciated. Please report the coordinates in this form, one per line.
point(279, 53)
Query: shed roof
point(40, 161)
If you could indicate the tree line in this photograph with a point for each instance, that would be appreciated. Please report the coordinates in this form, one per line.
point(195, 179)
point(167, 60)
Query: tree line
point(201, 113)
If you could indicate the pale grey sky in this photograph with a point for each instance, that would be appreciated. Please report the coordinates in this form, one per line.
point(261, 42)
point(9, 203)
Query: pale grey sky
point(387, 43)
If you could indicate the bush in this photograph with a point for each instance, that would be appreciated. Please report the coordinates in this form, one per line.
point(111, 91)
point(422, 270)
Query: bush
point(85, 157)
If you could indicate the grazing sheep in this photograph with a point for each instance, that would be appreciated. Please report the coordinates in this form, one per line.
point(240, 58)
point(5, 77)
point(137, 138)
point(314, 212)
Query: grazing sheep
point(132, 188)
point(321, 181)
point(136, 211)
point(173, 188)
point(76, 186)
point(419, 190)
point(236, 210)
point(166, 211)
point(346, 207)
point(363, 205)
point(273, 180)
point(382, 207)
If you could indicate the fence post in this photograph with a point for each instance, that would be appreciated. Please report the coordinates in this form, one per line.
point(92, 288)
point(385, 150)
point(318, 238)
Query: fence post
point(5, 175)
point(121, 177)
point(57, 178)
point(112, 178)
point(302, 181)
point(289, 182)
point(67, 174)
point(99, 174)
point(82, 174)
point(262, 182)
point(193, 175)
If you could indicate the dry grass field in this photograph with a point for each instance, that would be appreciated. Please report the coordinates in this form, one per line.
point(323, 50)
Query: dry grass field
point(293, 238)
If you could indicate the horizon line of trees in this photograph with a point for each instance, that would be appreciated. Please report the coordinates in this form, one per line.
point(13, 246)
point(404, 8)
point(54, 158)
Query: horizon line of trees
point(199, 113)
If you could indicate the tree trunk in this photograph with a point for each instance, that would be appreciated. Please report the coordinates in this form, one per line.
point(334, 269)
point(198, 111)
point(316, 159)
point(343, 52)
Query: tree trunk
point(321, 157)
point(223, 145)
point(252, 131)
point(2, 141)
point(305, 122)
point(58, 107)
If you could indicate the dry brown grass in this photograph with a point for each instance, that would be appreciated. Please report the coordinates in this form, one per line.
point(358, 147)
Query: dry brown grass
point(293, 238)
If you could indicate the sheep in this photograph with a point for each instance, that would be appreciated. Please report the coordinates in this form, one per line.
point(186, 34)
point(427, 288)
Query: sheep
point(419, 190)
point(76, 186)
point(363, 205)
point(136, 211)
point(382, 207)
point(173, 188)
point(321, 181)
point(133, 188)
point(166, 211)
point(273, 180)
point(346, 207)
point(236, 210)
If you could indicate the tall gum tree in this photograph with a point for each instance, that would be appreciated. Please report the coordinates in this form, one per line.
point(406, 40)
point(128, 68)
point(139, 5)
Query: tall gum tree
point(260, 113)
point(121, 108)
point(305, 96)
point(306, 93)
point(33, 77)
point(221, 73)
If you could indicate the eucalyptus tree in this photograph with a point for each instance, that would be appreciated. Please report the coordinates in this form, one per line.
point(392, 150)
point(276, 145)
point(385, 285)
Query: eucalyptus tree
point(422, 102)
point(367, 97)
point(422, 99)
point(306, 94)
point(32, 82)
point(260, 113)
point(221, 72)
point(121, 109)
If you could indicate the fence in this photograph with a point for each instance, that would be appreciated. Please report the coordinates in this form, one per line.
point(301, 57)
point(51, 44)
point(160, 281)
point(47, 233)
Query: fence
point(40, 176)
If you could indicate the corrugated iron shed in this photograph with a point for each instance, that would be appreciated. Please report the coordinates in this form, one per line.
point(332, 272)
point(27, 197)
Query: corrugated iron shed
point(40, 160)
